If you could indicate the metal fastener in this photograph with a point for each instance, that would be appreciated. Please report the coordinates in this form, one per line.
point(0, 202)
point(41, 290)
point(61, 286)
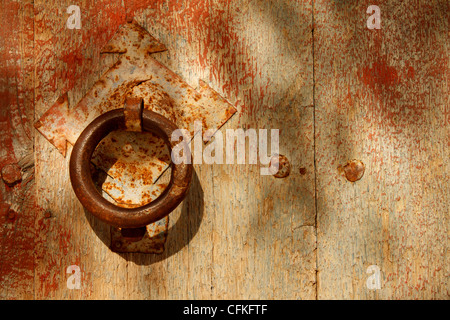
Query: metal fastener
point(282, 163)
point(11, 215)
point(47, 214)
point(133, 114)
point(11, 174)
point(87, 192)
point(353, 170)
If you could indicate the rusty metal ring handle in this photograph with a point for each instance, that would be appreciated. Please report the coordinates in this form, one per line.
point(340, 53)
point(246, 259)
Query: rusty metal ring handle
point(93, 201)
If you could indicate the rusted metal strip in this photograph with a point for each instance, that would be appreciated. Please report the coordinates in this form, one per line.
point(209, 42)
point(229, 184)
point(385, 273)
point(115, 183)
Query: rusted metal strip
point(152, 240)
point(132, 111)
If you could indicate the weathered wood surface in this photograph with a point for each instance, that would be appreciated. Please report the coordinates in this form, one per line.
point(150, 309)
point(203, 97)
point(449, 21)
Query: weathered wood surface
point(382, 97)
point(238, 234)
point(337, 93)
point(16, 150)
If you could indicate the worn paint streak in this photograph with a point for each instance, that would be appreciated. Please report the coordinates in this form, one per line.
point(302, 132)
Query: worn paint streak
point(17, 188)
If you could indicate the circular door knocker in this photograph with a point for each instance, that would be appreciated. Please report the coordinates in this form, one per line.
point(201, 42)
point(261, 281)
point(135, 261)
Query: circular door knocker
point(132, 118)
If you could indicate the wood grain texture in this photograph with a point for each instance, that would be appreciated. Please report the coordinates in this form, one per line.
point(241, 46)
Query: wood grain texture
point(238, 234)
point(264, 227)
point(70, 61)
point(335, 90)
point(16, 148)
point(382, 98)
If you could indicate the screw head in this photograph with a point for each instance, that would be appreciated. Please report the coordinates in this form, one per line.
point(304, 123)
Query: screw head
point(353, 170)
point(11, 215)
point(283, 165)
point(11, 174)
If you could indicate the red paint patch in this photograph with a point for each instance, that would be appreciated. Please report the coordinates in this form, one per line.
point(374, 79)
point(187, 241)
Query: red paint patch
point(379, 74)
point(410, 72)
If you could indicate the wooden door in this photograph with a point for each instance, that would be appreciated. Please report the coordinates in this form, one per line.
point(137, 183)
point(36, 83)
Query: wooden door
point(337, 90)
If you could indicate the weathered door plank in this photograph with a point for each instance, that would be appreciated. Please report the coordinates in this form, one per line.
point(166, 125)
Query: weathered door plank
point(69, 60)
point(254, 236)
point(17, 188)
point(382, 97)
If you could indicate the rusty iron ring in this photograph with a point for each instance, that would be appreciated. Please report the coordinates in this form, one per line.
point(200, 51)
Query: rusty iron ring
point(93, 201)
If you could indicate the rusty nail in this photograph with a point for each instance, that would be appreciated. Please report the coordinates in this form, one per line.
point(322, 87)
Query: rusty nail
point(284, 167)
point(11, 174)
point(353, 170)
point(133, 114)
point(11, 215)
point(47, 214)
point(303, 171)
point(92, 200)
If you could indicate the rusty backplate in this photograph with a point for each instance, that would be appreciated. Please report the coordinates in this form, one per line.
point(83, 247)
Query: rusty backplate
point(132, 162)
point(154, 238)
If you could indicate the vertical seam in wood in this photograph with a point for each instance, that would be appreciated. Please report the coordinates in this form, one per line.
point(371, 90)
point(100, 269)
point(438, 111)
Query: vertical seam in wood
point(212, 234)
point(314, 143)
point(213, 218)
point(189, 290)
point(34, 153)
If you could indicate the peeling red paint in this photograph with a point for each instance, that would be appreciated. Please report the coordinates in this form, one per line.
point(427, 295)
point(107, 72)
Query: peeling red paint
point(16, 111)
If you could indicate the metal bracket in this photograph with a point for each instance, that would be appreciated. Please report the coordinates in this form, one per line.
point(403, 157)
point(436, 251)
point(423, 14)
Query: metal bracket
point(132, 164)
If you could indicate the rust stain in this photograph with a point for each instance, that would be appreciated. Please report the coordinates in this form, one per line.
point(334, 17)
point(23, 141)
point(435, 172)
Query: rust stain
point(131, 175)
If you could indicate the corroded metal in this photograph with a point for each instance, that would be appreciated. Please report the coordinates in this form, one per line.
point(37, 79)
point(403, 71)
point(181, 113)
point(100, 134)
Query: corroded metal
point(136, 74)
point(132, 111)
point(133, 234)
point(155, 233)
point(11, 174)
point(282, 166)
point(130, 179)
point(152, 240)
point(130, 165)
point(353, 170)
point(133, 163)
point(87, 193)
